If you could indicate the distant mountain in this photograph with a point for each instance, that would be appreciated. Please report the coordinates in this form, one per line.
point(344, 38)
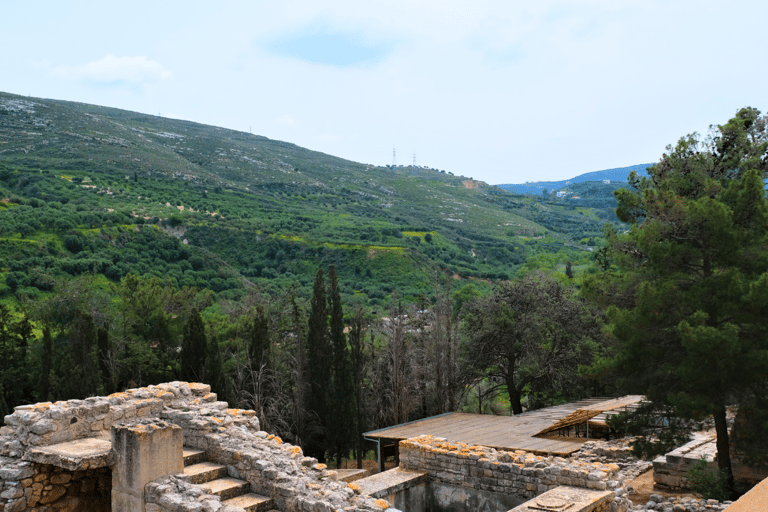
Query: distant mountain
point(617, 174)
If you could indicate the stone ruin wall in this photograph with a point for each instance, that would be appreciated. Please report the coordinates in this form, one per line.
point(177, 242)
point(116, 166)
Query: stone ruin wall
point(520, 473)
point(32, 486)
point(32, 479)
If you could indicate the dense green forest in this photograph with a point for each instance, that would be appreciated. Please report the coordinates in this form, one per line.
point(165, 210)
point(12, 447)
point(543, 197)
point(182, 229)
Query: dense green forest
point(136, 249)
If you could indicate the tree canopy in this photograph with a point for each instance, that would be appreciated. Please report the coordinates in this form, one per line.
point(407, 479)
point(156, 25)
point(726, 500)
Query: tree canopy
point(689, 280)
point(532, 335)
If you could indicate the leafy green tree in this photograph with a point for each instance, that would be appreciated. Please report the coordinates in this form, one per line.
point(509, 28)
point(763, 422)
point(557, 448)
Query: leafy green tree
point(689, 284)
point(533, 336)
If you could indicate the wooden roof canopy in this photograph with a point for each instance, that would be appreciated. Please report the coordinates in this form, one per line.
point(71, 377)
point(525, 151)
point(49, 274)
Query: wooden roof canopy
point(521, 432)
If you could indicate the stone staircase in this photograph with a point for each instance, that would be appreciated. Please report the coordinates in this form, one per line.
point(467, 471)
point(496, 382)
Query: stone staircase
point(213, 479)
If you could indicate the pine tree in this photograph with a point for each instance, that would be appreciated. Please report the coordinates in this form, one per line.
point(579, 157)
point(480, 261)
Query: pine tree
point(689, 318)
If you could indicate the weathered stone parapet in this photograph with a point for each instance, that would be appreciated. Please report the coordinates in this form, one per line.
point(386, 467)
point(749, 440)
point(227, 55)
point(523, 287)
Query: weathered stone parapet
point(520, 473)
point(46, 423)
point(145, 450)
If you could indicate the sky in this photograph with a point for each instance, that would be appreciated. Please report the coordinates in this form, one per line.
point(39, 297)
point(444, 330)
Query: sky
point(502, 91)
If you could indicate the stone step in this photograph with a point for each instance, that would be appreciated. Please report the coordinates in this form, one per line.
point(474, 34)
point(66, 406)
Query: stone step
point(227, 487)
point(193, 456)
point(204, 472)
point(251, 502)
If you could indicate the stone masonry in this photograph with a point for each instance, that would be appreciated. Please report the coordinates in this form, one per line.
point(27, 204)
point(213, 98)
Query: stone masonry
point(521, 473)
point(38, 472)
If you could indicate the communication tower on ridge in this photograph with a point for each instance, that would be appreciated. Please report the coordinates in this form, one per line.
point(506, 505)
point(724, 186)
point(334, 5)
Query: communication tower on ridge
point(394, 158)
point(413, 166)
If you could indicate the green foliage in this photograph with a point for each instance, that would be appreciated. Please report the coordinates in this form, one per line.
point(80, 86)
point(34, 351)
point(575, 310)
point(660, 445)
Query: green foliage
point(341, 396)
point(532, 335)
point(656, 430)
point(319, 361)
point(194, 348)
point(708, 482)
point(690, 301)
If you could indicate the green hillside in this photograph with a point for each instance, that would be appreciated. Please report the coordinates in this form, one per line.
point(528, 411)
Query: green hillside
point(89, 189)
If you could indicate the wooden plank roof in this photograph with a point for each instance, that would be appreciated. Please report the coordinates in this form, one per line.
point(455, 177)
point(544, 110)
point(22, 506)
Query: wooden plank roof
point(502, 432)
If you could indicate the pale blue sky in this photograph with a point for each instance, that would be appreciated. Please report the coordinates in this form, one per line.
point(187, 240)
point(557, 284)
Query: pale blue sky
point(502, 91)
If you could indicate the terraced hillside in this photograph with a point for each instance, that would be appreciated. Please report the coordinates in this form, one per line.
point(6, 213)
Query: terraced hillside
point(230, 209)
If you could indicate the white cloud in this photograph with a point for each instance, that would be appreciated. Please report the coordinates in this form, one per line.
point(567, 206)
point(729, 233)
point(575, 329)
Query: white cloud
point(116, 70)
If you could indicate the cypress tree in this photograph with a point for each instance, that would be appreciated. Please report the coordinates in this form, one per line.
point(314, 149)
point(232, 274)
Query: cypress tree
point(46, 363)
point(319, 366)
point(260, 341)
point(193, 347)
point(359, 361)
point(102, 342)
point(342, 397)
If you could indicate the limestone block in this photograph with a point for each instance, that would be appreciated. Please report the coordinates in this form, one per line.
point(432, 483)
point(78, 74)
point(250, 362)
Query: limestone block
point(124, 502)
point(16, 506)
point(145, 450)
point(15, 472)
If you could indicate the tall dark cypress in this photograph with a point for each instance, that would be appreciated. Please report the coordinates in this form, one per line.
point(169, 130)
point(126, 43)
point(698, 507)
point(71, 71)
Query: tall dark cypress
point(342, 397)
point(260, 341)
point(46, 364)
point(319, 364)
point(193, 348)
point(103, 344)
point(359, 360)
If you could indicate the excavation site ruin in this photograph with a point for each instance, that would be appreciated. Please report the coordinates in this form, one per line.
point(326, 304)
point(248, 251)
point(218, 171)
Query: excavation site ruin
point(175, 447)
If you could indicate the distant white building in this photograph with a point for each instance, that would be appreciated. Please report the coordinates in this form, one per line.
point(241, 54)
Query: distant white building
point(606, 182)
point(562, 193)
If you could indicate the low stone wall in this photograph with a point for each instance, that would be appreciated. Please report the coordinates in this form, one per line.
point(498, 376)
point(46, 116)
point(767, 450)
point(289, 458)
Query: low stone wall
point(47, 423)
point(670, 471)
point(520, 473)
point(45, 488)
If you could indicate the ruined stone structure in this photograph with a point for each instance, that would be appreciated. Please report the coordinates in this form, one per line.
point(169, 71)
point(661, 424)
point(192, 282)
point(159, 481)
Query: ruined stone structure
point(124, 453)
point(670, 471)
point(175, 448)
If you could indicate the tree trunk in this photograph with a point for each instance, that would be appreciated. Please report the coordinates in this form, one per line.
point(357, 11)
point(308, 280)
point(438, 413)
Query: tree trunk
point(514, 401)
point(723, 447)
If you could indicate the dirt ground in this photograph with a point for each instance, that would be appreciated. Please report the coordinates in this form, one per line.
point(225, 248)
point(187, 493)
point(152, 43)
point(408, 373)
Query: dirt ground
point(643, 486)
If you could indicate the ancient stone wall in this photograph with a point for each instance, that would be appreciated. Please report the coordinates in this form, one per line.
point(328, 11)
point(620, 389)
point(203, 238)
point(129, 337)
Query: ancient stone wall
point(521, 473)
point(47, 423)
point(273, 468)
point(36, 475)
point(670, 471)
point(44, 488)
